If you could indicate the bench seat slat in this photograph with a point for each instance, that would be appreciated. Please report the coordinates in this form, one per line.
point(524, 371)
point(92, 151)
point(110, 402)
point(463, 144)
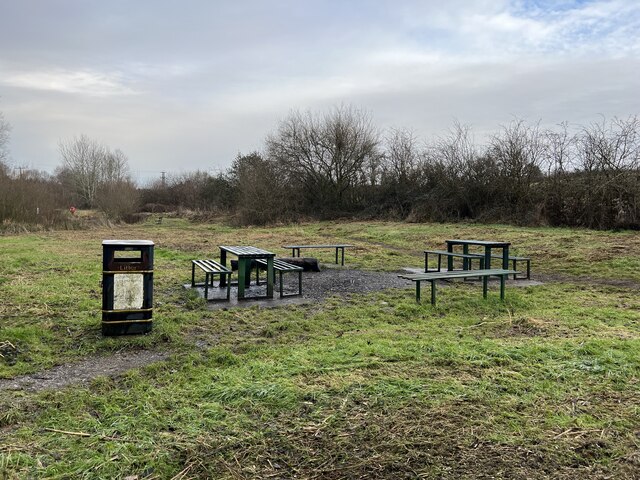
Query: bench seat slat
point(211, 266)
point(457, 274)
point(280, 266)
point(454, 254)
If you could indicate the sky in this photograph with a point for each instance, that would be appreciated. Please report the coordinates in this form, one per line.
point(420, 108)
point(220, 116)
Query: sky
point(186, 85)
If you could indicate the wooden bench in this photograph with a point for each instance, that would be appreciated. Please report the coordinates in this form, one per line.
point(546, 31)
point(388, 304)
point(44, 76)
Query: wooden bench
point(211, 268)
point(434, 276)
point(296, 248)
point(469, 257)
point(282, 268)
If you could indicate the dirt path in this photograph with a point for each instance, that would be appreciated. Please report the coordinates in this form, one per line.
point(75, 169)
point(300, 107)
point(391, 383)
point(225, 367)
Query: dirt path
point(82, 372)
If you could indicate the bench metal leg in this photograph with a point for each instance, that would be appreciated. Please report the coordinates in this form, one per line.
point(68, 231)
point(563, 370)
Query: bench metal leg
point(228, 285)
point(514, 267)
point(439, 262)
point(433, 293)
point(528, 269)
point(484, 287)
point(465, 260)
point(206, 285)
point(337, 256)
point(426, 262)
point(418, 291)
point(502, 278)
point(193, 274)
point(281, 286)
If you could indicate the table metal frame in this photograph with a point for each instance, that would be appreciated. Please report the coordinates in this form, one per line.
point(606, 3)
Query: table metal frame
point(244, 254)
point(488, 245)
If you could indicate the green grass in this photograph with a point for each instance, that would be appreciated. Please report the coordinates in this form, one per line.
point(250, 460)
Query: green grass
point(543, 385)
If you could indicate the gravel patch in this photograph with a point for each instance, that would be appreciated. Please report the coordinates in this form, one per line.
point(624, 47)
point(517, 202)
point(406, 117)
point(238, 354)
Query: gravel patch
point(82, 372)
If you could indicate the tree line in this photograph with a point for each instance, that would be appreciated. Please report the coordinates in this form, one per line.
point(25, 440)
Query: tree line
point(338, 164)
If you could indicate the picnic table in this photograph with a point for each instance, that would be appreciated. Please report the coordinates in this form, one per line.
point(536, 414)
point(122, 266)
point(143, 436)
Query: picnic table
point(296, 249)
point(245, 254)
point(488, 245)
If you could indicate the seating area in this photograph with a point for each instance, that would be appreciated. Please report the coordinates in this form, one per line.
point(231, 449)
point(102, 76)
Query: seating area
point(484, 271)
point(435, 276)
point(265, 261)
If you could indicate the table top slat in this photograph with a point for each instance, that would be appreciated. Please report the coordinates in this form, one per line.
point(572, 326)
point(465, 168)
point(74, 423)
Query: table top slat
point(483, 243)
point(246, 251)
point(317, 246)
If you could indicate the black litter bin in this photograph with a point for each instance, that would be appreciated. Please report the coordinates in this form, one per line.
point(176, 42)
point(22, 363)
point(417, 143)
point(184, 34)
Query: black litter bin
point(127, 286)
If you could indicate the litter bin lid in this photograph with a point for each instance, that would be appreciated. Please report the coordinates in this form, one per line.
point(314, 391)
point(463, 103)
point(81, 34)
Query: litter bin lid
point(127, 242)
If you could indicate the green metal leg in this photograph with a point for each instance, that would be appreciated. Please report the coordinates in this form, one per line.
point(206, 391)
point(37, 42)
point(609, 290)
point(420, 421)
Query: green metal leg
point(206, 286)
point(449, 258)
point(502, 277)
point(514, 267)
point(281, 286)
point(505, 258)
point(300, 283)
point(337, 256)
point(223, 261)
point(426, 262)
point(433, 293)
point(228, 285)
point(342, 256)
point(418, 291)
point(528, 269)
point(193, 274)
point(465, 261)
point(242, 273)
point(484, 287)
point(270, 275)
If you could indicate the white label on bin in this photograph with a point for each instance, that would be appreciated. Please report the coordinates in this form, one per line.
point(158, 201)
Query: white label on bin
point(128, 291)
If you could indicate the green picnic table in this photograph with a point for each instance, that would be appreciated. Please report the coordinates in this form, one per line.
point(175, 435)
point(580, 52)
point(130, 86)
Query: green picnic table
point(245, 254)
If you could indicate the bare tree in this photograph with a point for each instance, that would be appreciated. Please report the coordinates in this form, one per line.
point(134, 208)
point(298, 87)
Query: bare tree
point(518, 151)
point(609, 173)
point(5, 128)
point(401, 172)
point(326, 154)
point(89, 166)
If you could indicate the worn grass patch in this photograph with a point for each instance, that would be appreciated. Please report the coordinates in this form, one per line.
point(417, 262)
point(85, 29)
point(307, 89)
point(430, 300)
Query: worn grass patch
point(544, 385)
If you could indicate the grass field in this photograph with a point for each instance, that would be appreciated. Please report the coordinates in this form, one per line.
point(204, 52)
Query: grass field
point(544, 385)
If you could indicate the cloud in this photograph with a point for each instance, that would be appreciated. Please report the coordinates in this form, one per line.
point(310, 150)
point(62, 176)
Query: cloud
point(190, 85)
point(74, 82)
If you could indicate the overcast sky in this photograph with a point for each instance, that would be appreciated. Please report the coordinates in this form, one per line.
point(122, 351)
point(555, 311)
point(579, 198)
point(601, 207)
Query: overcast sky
point(186, 85)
